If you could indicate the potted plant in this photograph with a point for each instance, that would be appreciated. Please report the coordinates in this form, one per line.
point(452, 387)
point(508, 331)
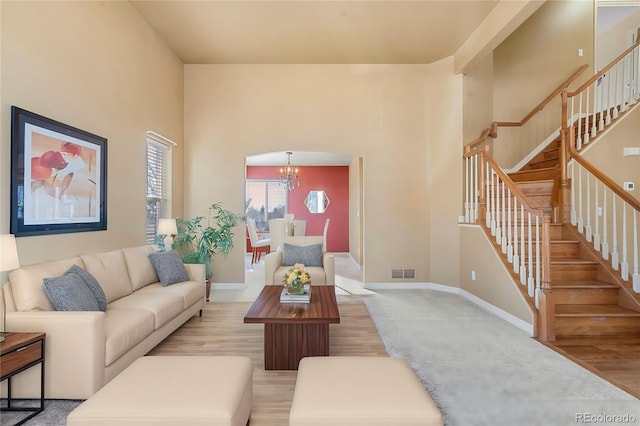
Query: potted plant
point(199, 242)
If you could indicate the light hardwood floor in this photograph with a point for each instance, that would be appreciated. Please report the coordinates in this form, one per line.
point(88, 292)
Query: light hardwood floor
point(221, 331)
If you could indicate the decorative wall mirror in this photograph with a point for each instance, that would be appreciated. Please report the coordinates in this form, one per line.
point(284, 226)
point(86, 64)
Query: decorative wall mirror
point(317, 201)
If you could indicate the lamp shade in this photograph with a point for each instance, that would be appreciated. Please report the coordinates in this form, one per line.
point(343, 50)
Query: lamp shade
point(8, 253)
point(167, 227)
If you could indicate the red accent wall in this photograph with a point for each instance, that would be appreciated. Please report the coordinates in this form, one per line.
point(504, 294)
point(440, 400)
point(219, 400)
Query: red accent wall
point(334, 180)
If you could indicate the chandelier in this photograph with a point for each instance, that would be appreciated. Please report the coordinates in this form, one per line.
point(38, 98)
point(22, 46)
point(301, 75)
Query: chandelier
point(289, 174)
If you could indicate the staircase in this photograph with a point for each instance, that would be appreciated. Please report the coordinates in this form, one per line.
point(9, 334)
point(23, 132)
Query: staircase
point(589, 300)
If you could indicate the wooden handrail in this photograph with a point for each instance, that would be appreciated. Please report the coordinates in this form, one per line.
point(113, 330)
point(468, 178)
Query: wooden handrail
point(510, 184)
point(607, 68)
point(619, 191)
point(493, 130)
point(548, 99)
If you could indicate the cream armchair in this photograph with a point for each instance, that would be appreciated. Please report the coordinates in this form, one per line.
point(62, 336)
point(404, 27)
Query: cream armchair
point(274, 269)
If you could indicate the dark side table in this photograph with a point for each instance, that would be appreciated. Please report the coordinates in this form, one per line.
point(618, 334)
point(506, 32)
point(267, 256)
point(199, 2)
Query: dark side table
point(19, 352)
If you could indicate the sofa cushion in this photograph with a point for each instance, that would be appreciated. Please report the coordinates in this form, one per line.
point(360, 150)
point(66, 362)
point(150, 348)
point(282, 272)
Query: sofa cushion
point(164, 306)
point(110, 269)
point(310, 255)
point(27, 285)
point(190, 291)
point(93, 285)
point(70, 293)
point(141, 271)
point(169, 267)
point(124, 329)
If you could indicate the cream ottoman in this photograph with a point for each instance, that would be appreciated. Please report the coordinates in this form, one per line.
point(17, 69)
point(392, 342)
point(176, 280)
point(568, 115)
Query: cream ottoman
point(173, 390)
point(360, 391)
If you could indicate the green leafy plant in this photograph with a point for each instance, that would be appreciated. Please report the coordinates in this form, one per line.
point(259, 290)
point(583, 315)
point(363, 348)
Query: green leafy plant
point(200, 242)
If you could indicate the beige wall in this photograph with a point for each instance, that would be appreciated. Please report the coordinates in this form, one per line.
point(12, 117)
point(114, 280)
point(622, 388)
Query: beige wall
point(532, 62)
point(99, 67)
point(493, 283)
point(355, 209)
point(615, 40)
point(375, 112)
point(478, 100)
point(607, 152)
point(444, 171)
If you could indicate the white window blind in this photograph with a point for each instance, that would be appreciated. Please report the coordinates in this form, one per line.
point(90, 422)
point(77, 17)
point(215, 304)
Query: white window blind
point(158, 186)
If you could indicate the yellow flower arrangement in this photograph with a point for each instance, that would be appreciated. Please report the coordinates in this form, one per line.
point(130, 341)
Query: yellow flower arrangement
point(295, 278)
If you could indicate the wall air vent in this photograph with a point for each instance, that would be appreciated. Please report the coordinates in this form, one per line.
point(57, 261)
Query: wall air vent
point(397, 273)
point(409, 273)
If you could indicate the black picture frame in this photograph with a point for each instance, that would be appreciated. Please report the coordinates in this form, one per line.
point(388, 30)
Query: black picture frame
point(65, 171)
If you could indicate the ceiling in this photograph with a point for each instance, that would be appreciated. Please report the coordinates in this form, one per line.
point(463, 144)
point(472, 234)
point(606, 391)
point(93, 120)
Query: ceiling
point(314, 32)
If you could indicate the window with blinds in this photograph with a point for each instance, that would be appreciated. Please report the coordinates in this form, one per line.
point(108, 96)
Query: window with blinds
point(158, 186)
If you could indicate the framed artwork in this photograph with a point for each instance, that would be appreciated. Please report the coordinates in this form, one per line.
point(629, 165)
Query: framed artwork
point(58, 177)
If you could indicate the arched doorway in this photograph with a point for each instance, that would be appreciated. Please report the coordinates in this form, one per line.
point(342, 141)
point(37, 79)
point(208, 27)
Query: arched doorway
point(337, 176)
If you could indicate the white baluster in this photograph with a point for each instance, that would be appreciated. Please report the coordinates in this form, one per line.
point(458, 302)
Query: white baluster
point(614, 253)
point(579, 133)
point(580, 217)
point(624, 265)
point(607, 119)
point(596, 234)
point(574, 219)
point(605, 225)
point(516, 257)
point(530, 282)
point(476, 192)
point(587, 118)
point(595, 110)
point(498, 211)
point(623, 106)
point(493, 200)
point(537, 292)
point(617, 89)
point(523, 269)
point(636, 275)
point(588, 227)
point(600, 104)
point(466, 190)
point(487, 214)
point(509, 235)
point(503, 232)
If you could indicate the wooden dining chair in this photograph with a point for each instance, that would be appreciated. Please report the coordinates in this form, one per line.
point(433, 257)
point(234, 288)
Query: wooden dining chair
point(258, 245)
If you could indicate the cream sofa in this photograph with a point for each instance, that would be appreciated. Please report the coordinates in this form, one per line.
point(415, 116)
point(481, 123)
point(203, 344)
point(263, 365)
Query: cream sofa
point(274, 269)
point(85, 350)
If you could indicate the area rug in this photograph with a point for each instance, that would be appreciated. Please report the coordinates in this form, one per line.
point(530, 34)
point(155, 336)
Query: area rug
point(480, 370)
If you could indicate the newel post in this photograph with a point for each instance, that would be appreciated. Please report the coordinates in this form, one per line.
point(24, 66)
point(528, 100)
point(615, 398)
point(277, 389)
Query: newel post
point(546, 303)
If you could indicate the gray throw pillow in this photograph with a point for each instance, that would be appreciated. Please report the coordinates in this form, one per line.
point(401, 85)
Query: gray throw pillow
point(93, 285)
point(70, 293)
point(169, 267)
point(307, 255)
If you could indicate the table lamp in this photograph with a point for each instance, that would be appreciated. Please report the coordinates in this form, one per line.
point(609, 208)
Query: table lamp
point(8, 262)
point(168, 229)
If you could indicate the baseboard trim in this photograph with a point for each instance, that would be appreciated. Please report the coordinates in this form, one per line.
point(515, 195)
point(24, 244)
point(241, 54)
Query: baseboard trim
point(500, 313)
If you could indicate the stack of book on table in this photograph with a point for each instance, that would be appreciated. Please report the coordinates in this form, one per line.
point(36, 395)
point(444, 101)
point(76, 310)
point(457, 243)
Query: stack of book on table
point(304, 297)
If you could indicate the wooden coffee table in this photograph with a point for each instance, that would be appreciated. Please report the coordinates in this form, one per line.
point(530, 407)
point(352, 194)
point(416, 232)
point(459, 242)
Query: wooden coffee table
point(293, 331)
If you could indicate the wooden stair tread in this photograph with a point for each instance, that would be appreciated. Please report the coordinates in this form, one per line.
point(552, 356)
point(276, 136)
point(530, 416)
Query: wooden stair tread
point(582, 284)
point(594, 310)
point(572, 261)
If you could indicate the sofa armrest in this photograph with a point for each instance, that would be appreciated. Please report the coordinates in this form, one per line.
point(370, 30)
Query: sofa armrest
point(329, 264)
point(272, 262)
point(74, 353)
point(196, 272)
